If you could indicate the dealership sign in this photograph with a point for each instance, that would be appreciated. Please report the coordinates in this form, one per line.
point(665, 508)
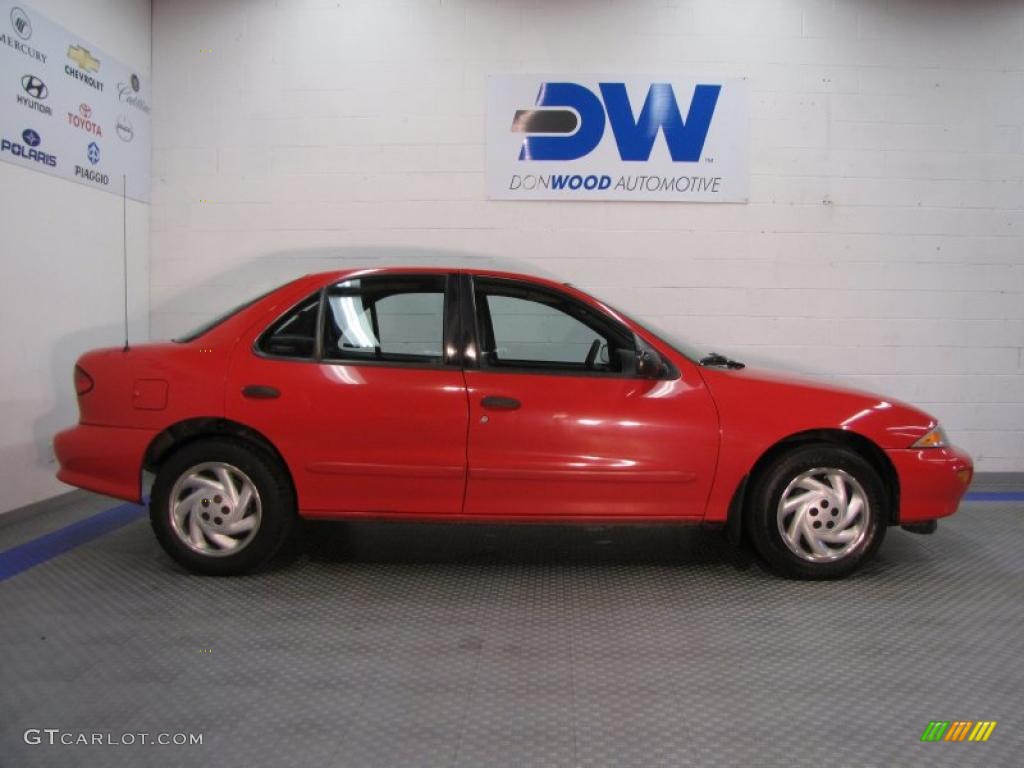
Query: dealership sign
point(568, 137)
point(70, 110)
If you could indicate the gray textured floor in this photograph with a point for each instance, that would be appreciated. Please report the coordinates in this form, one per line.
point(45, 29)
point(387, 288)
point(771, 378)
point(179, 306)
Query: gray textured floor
point(405, 645)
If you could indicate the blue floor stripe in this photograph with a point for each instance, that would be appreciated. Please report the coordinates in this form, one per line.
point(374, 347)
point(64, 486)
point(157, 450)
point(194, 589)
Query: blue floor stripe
point(24, 556)
point(994, 496)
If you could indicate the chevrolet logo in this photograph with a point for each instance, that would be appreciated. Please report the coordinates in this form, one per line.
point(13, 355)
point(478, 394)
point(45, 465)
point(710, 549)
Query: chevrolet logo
point(83, 58)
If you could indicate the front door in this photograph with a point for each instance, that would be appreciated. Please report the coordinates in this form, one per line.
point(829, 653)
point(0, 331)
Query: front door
point(559, 426)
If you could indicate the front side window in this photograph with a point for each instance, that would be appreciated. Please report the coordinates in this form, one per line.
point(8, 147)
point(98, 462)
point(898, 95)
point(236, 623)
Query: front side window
point(390, 319)
point(529, 328)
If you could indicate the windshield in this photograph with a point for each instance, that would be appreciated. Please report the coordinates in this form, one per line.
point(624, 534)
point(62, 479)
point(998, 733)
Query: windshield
point(209, 325)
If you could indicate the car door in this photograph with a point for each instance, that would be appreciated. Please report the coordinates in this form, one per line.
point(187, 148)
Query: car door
point(561, 423)
point(359, 389)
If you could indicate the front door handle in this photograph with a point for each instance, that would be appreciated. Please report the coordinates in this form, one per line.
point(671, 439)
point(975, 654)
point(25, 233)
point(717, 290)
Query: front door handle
point(260, 392)
point(495, 403)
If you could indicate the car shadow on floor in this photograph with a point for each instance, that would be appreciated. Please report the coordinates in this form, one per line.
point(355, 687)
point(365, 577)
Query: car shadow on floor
point(480, 543)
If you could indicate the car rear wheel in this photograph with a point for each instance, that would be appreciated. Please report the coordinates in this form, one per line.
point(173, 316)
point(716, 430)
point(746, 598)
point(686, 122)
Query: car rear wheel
point(221, 508)
point(817, 512)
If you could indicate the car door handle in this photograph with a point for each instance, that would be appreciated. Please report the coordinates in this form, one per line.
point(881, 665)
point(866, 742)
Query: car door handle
point(260, 392)
point(494, 403)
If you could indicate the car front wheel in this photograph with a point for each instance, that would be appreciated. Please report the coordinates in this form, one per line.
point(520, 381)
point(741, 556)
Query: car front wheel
point(817, 512)
point(221, 508)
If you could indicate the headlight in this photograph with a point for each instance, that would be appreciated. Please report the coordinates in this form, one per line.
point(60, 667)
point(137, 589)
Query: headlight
point(936, 438)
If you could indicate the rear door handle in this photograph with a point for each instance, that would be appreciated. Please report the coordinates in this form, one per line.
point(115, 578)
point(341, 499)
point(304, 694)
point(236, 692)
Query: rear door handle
point(260, 392)
point(495, 403)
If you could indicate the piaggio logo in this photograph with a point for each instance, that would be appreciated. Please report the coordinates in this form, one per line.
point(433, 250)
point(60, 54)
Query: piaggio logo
point(569, 122)
point(958, 730)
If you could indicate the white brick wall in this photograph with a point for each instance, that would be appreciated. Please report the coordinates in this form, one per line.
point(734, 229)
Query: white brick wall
point(882, 246)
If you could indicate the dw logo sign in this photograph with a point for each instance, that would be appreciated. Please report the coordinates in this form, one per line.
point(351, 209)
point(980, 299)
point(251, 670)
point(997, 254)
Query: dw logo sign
point(614, 138)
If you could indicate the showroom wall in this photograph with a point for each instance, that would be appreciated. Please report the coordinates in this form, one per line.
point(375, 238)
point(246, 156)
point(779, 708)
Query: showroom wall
point(882, 245)
point(61, 273)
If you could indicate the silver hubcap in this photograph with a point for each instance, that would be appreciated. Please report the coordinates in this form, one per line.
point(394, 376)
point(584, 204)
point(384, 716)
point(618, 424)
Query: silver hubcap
point(215, 509)
point(823, 515)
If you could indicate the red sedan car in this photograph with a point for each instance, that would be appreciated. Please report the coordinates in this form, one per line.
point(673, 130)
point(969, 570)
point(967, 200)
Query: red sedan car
point(451, 394)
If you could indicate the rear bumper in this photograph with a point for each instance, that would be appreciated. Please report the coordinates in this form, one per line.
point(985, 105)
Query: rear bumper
point(106, 460)
point(932, 481)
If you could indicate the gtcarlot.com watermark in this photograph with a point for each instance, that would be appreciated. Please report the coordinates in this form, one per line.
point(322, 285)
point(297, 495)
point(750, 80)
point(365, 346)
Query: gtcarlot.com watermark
point(57, 737)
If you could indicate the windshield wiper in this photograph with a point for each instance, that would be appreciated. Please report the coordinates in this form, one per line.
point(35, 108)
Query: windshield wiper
point(720, 361)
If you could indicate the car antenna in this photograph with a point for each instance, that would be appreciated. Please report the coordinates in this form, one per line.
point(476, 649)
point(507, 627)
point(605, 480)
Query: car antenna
point(124, 244)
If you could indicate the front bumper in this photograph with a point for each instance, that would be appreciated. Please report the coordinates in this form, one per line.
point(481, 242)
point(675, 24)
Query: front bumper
point(932, 481)
point(106, 460)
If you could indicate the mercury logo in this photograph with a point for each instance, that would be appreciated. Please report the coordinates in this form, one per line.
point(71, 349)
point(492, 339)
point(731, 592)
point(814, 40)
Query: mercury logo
point(83, 120)
point(569, 120)
point(21, 23)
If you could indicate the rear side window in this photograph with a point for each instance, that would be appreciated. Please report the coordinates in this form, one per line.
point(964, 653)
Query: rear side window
point(388, 319)
point(294, 334)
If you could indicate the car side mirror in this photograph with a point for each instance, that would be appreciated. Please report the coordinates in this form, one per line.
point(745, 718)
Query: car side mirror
point(649, 364)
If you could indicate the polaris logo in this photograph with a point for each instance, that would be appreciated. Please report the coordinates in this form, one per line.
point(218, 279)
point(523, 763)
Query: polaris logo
point(27, 150)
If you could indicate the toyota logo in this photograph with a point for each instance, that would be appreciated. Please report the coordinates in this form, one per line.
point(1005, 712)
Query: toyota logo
point(34, 87)
point(85, 110)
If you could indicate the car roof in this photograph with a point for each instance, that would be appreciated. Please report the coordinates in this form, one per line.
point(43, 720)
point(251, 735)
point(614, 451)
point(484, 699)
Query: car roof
point(433, 270)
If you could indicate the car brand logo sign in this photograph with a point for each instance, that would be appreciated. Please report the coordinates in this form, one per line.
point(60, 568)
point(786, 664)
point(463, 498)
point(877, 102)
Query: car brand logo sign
point(125, 129)
point(85, 63)
point(34, 87)
point(83, 120)
point(617, 138)
point(35, 91)
point(126, 92)
point(93, 152)
point(21, 23)
point(26, 148)
point(83, 59)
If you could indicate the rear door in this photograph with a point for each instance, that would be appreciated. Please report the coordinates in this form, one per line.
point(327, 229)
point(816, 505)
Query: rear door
point(560, 425)
point(360, 389)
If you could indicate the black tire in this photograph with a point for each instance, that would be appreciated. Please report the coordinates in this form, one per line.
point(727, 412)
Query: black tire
point(276, 506)
point(763, 513)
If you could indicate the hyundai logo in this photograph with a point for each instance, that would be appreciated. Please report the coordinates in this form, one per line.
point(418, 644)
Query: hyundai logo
point(21, 23)
point(30, 137)
point(135, 83)
point(34, 87)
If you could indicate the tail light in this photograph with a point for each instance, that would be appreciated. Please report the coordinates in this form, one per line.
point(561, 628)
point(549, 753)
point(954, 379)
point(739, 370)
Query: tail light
point(83, 381)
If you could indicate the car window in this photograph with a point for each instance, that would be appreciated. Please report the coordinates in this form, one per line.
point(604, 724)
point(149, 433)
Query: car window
point(390, 319)
point(534, 329)
point(294, 334)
